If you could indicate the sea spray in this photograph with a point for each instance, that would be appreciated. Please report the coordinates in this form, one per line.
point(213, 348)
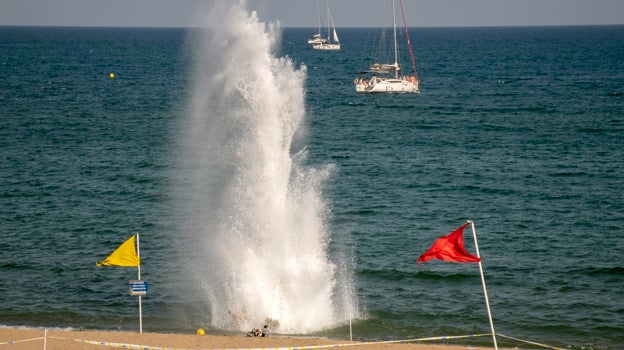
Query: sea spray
point(253, 216)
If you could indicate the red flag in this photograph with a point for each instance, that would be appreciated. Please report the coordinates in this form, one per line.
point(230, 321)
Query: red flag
point(449, 248)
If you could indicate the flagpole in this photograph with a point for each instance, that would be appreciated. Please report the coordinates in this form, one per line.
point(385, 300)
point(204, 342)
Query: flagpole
point(487, 302)
point(350, 329)
point(139, 278)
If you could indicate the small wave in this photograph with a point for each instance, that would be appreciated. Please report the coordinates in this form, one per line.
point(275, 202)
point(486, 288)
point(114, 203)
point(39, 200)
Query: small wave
point(362, 212)
point(568, 174)
point(596, 271)
point(591, 130)
point(410, 106)
point(398, 275)
point(357, 104)
point(13, 266)
point(391, 274)
point(427, 127)
point(487, 190)
point(446, 276)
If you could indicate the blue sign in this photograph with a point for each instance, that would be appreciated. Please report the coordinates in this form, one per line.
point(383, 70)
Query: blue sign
point(138, 287)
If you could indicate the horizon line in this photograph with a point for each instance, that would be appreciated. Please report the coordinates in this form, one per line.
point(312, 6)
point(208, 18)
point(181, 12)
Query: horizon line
point(315, 28)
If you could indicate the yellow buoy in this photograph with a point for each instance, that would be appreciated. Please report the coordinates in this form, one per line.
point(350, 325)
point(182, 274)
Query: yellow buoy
point(111, 75)
point(201, 332)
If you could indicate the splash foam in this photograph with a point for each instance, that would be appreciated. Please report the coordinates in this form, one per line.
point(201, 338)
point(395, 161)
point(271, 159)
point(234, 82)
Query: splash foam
point(256, 212)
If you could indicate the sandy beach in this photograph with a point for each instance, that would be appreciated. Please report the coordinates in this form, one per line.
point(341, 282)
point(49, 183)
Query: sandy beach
point(30, 339)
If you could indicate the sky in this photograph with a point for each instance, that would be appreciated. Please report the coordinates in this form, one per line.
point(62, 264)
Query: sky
point(304, 13)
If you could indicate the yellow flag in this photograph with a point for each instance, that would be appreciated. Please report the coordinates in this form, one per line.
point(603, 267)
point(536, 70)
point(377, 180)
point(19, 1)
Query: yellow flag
point(125, 255)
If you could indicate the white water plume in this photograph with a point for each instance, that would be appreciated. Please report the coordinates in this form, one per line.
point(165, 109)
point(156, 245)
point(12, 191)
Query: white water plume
point(255, 215)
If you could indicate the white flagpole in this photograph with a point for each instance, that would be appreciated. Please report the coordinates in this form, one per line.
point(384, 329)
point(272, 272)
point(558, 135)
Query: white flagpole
point(139, 278)
point(487, 302)
point(350, 329)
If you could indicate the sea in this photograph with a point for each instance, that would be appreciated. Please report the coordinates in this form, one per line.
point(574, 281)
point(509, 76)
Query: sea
point(264, 189)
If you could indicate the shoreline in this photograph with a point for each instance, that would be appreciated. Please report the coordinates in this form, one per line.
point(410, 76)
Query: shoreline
point(18, 338)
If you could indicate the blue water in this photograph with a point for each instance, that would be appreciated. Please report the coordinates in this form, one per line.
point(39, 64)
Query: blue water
point(519, 129)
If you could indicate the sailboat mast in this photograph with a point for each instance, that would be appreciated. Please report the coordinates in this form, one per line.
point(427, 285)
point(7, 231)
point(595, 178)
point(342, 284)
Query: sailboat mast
point(396, 53)
point(409, 43)
point(320, 21)
point(328, 23)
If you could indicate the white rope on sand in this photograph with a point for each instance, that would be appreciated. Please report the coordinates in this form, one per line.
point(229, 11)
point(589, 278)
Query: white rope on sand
point(20, 341)
point(414, 340)
point(149, 347)
point(529, 342)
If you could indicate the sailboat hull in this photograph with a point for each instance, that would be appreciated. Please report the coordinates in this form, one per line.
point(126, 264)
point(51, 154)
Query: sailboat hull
point(386, 86)
point(317, 40)
point(326, 46)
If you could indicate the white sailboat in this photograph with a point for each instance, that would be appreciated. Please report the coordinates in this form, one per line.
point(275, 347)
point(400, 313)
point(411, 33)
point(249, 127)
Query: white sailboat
point(328, 44)
point(386, 77)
